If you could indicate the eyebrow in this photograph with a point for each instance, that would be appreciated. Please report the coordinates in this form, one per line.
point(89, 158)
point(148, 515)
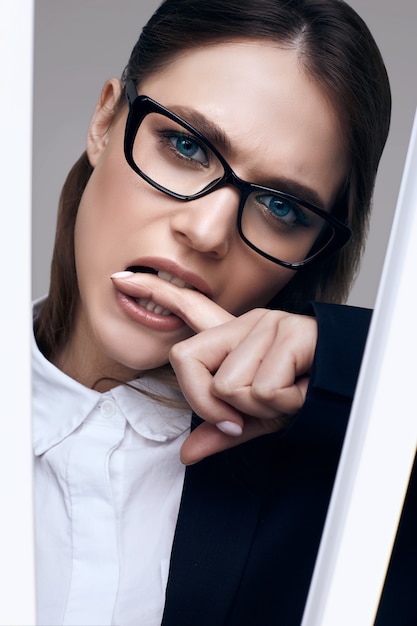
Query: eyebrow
point(206, 127)
point(216, 136)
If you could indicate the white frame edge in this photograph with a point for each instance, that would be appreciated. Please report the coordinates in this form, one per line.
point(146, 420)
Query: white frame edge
point(381, 439)
point(17, 580)
point(368, 494)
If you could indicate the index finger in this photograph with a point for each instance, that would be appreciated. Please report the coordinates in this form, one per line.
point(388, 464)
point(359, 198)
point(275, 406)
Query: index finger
point(196, 309)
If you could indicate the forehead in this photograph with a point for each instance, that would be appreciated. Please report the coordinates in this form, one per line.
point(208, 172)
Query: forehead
point(278, 121)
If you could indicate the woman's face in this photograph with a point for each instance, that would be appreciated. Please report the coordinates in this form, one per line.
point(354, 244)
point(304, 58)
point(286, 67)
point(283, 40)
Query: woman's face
point(278, 126)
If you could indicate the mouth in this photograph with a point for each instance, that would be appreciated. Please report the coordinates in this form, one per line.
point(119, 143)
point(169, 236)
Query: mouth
point(149, 304)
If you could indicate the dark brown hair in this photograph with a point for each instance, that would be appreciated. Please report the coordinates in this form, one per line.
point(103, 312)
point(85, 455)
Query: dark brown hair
point(335, 48)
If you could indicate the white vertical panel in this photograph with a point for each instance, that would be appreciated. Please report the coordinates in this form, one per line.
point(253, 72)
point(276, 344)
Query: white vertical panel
point(17, 605)
point(381, 439)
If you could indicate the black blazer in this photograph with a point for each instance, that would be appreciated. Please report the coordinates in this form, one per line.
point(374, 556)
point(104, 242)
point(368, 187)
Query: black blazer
point(251, 518)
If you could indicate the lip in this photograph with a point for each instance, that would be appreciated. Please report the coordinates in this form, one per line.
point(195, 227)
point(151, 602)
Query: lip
point(138, 314)
point(174, 268)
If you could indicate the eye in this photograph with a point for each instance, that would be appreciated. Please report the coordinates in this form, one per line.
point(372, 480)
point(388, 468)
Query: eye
point(188, 147)
point(285, 211)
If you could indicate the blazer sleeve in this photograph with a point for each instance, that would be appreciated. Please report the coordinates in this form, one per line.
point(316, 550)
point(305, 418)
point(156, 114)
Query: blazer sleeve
point(342, 333)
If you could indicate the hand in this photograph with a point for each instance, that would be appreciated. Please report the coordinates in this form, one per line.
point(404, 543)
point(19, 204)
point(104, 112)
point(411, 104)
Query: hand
point(244, 376)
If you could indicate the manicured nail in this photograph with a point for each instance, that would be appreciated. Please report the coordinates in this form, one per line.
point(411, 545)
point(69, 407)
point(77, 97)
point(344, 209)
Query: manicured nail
point(126, 274)
point(230, 428)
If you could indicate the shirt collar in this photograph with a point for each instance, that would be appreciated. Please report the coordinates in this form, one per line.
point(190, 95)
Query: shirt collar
point(60, 405)
point(150, 418)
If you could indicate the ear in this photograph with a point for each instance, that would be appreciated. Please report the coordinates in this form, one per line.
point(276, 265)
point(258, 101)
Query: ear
point(98, 132)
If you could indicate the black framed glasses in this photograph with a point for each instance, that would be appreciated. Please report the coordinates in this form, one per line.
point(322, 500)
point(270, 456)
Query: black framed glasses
point(175, 158)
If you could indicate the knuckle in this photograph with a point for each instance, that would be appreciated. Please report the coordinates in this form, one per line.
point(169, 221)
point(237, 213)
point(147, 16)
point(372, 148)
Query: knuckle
point(271, 317)
point(264, 393)
point(179, 352)
point(223, 387)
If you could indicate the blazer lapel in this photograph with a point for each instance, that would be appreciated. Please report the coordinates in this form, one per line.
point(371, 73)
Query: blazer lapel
point(216, 522)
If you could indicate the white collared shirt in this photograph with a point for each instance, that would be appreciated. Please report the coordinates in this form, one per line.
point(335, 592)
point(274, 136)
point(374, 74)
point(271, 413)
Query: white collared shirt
point(108, 484)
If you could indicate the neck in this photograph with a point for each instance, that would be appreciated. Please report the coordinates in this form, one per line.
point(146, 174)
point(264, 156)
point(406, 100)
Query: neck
point(84, 362)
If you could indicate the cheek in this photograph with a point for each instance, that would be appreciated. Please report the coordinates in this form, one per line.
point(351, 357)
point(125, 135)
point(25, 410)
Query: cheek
point(255, 288)
point(90, 233)
point(115, 208)
point(97, 231)
point(106, 215)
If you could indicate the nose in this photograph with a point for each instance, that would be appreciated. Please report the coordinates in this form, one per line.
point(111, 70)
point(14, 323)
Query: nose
point(208, 224)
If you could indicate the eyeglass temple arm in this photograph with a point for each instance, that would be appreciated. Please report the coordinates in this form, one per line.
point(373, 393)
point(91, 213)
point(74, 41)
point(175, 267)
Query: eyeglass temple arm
point(131, 92)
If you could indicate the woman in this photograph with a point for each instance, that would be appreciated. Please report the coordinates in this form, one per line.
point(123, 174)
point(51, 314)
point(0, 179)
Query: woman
point(166, 253)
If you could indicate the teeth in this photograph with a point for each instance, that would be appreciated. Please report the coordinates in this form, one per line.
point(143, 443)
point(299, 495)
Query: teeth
point(173, 279)
point(152, 306)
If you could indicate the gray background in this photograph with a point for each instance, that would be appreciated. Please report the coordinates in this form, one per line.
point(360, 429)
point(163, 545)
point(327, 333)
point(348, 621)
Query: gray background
point(81, 43)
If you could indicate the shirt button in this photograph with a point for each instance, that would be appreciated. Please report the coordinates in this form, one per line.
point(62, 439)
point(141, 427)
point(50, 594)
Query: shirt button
point(107, 408)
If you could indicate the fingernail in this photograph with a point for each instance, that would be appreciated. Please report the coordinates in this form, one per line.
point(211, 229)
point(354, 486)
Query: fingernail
point(230, 428)
point(126, 274)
